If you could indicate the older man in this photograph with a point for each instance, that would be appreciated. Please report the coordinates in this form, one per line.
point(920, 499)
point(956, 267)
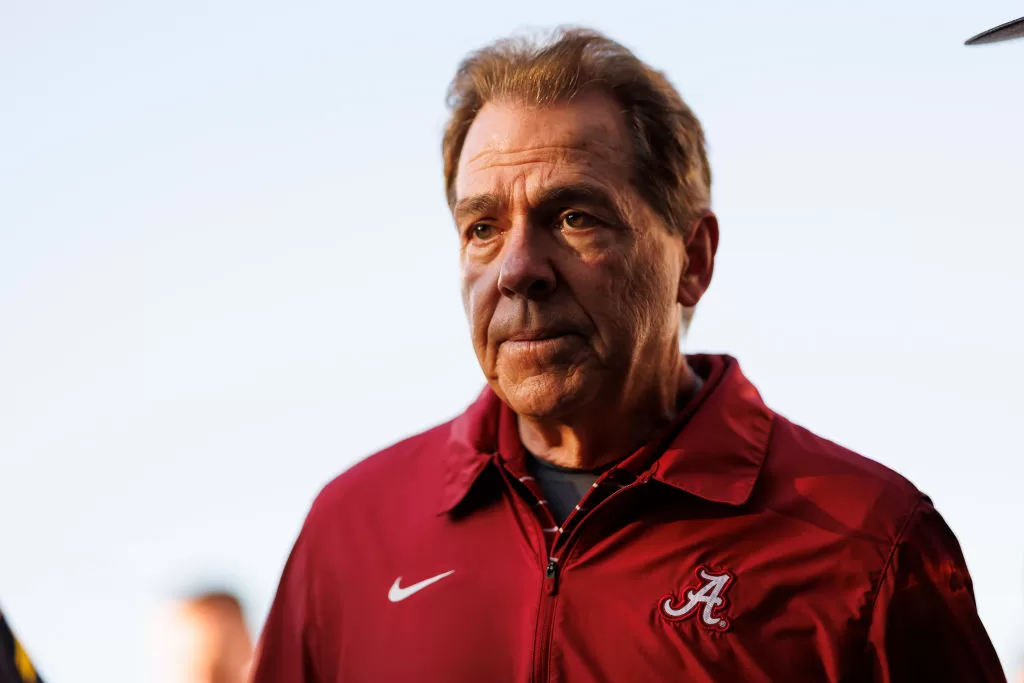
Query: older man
point(609, 509)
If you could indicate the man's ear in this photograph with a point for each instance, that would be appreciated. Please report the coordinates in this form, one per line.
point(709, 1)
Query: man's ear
point(701, 243)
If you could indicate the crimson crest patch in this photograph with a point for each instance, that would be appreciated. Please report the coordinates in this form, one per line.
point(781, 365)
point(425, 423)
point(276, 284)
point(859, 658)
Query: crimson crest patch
point(706, 600)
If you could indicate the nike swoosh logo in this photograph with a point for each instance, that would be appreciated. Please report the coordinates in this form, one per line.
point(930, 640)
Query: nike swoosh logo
point(397, 593)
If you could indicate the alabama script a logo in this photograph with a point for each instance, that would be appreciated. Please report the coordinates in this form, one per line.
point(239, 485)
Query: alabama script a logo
point(706, 600)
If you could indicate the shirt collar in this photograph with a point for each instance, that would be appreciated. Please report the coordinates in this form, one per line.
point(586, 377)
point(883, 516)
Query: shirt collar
point(722, 437)
point(713, 450)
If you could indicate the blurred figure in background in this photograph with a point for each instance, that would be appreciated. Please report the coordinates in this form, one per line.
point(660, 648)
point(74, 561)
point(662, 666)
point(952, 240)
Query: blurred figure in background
point(15, 666)
point(203, 638)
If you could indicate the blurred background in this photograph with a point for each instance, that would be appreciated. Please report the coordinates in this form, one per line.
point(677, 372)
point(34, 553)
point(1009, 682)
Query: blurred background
point(227, 272)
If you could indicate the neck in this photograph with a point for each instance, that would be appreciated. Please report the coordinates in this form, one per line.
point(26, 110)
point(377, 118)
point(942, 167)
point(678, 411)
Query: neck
point(602, 434)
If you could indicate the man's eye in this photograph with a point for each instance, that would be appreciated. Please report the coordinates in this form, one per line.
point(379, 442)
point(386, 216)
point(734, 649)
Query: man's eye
point(483, 232)
point(577, 220)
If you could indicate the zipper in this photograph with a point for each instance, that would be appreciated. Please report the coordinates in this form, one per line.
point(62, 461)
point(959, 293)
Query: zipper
point(549, 594)
point(542, 642)
point(551, 576)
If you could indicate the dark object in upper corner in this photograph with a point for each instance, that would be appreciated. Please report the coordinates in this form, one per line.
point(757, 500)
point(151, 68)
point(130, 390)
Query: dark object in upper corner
point(1008, 31)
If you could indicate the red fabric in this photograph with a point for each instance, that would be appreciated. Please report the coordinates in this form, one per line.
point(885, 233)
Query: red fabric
point(736, 546)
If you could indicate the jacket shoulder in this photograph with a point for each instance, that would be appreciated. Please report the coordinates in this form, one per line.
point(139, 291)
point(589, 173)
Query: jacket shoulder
point(407, 471)
point(829, 484)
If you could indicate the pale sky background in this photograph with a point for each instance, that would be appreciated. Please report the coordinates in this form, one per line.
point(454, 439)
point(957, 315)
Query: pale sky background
point(227, 271)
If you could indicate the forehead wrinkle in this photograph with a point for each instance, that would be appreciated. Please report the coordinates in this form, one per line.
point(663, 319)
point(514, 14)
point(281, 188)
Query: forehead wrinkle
point(536, 180)
point(546, 153)
point(538, 174)
point(541, 192)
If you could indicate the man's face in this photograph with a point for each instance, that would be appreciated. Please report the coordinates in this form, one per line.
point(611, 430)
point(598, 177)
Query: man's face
point(571, 283)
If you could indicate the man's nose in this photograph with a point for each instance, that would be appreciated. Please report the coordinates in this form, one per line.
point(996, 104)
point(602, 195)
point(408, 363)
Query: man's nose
point(526, 267)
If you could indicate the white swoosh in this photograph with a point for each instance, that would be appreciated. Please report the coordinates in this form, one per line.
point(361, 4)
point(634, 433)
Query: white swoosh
point(397, 593)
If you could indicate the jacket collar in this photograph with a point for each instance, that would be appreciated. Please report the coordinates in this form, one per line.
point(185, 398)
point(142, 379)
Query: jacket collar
point(713, 450)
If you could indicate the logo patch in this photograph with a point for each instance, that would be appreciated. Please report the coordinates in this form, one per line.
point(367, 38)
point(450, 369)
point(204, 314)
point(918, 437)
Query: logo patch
point(706, 600)
point(398, 593)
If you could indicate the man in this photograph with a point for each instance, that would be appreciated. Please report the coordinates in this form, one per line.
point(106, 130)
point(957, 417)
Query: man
point(204, 639)
point(15, 666)
point(608, 509)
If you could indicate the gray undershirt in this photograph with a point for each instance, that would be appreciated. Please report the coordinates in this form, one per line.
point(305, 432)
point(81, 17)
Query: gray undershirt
point(564, 488)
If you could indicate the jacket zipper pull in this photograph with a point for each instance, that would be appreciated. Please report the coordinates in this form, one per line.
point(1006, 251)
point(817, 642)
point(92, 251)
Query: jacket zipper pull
point(551, 576)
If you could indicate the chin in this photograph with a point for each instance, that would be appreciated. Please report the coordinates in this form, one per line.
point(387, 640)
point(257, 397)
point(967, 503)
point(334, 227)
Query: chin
point(544, 395)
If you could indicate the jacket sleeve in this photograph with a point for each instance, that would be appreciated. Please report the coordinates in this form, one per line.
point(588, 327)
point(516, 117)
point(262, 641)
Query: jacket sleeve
point(925, 624)
point(286, 650)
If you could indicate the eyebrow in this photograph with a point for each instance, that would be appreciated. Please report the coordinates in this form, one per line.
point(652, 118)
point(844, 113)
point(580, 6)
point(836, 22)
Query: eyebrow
point(558, 196)
point(477, 204)
point(578, 193)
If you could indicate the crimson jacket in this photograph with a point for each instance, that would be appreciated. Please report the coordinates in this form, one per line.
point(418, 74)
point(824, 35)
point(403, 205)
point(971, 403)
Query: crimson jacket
point(734, 547)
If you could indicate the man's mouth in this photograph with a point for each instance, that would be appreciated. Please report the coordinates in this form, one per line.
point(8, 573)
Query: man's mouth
point(540, 335)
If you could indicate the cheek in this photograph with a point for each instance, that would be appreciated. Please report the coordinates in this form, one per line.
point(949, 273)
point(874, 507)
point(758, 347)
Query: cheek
point(654, 290)
point(602, 288)
point(633, 292)
point(479, 298)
